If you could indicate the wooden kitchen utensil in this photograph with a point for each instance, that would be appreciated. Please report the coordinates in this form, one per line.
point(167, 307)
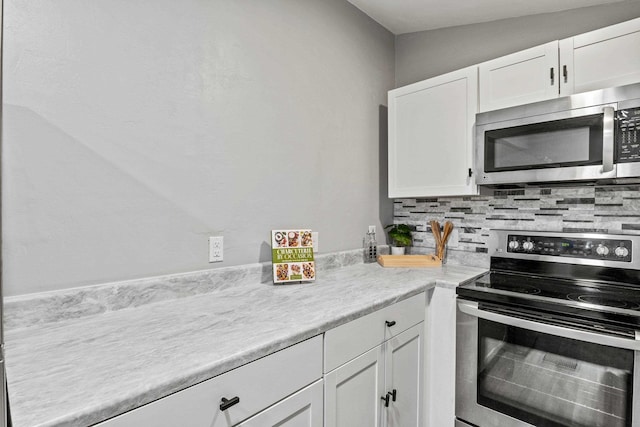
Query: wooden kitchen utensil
point(448, 228)
point(441, 238)
point(435, 229)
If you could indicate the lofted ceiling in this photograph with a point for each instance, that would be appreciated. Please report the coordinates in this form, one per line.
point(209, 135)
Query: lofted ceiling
point(406, 16)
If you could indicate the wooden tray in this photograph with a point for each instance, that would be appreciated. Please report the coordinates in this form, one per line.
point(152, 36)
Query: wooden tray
point(409, 261)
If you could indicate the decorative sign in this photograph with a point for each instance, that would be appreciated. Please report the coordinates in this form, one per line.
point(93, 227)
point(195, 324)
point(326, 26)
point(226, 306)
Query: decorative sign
point(292, 256)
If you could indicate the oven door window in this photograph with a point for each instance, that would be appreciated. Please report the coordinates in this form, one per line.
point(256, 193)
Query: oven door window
point(560, 143)
point(546, 380)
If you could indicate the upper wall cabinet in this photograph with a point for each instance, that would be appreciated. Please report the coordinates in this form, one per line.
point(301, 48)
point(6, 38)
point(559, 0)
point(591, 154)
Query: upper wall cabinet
point(596, 60)
point(520, 78)
point(602, 58)
point(430, 136)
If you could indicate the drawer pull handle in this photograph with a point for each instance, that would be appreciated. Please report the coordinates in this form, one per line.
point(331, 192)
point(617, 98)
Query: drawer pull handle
point(390, 323)
point(228, 403)
point(393, 394)
point(386, 400)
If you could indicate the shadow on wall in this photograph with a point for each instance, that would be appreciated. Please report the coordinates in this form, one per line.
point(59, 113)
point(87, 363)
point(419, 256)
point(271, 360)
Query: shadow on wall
point(70, 214)
point(385, 204)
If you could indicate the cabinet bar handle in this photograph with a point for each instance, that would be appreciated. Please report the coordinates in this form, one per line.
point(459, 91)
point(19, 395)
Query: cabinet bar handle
point(565, 74)
point(390, 323)
point(228, 403)
point(386, 400)
point(393, 394)
point(470, 172)
point(551, 70)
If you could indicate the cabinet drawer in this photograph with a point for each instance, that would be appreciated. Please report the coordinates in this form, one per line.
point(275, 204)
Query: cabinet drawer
point(303, 409)
point(350, 340)
point(258, 385)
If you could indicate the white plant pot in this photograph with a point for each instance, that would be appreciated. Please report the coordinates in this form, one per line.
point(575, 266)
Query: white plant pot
point(397, 250)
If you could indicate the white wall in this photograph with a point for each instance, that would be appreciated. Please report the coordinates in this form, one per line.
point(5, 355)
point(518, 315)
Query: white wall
point(426, 54)
point(134, 130)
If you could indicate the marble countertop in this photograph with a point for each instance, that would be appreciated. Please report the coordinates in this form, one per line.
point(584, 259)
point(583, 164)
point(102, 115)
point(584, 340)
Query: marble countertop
point(80, 371)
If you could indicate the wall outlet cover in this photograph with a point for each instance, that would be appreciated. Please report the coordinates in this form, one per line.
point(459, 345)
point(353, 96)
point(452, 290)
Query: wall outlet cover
point(216, 248)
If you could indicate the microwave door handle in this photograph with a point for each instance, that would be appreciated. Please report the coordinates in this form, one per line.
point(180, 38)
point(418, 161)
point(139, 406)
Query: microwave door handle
point(607, 139)
point(471, 308)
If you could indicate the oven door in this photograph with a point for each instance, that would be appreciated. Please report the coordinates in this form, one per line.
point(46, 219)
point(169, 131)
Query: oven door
point(513, 371)
point(571, 145)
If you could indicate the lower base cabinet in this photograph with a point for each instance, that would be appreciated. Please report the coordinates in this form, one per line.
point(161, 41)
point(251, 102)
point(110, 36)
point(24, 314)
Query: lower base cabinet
point(380, 388)
point(353, 391)
point(403, 375)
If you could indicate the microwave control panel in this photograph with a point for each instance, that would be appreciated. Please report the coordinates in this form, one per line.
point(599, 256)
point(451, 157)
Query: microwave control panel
point(628, 127)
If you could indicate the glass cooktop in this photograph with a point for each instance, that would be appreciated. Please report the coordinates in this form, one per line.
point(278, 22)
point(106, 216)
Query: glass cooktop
point(614, 304)
point(560, 291)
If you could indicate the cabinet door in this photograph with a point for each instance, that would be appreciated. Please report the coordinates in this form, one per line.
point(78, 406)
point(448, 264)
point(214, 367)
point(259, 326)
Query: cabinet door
point(430, 136)
point(302, 409)
point(403, 375)
point(353, 392)
point(602, 58)
point(527, 76)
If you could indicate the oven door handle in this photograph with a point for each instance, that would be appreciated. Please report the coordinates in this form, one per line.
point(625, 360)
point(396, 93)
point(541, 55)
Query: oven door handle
point(471, 308)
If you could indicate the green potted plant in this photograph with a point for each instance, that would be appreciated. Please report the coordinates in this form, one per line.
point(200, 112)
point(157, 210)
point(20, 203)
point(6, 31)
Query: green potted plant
point(400, 235)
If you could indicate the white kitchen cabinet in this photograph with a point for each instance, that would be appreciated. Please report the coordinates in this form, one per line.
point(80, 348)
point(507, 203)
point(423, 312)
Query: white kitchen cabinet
point(357, 385)
point(440, 361)
point(257, 385)
point(352, 339)
point(403, 378)
point(603, 58)
point(430, 136)
point(599, 59)
point(353, 391)
point(303, 409)
point(527, 76)
point(431, 122)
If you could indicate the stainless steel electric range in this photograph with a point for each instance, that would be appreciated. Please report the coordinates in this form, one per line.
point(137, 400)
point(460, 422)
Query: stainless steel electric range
point(551, 335)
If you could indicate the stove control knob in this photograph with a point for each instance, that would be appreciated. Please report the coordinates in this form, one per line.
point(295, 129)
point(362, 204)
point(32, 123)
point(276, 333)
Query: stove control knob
point(621, 252)
point(588, 247)
point(527, 246)
point(513, 245)
point(602, 250)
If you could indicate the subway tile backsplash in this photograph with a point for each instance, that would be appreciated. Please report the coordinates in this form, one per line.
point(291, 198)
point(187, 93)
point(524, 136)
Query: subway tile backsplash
point(606, 209)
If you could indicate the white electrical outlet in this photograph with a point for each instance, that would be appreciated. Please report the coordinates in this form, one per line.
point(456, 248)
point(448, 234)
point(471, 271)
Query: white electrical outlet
point(216, 248)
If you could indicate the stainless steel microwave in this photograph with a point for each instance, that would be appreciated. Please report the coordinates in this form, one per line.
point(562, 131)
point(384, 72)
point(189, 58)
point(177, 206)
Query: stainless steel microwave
point(592, 136)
